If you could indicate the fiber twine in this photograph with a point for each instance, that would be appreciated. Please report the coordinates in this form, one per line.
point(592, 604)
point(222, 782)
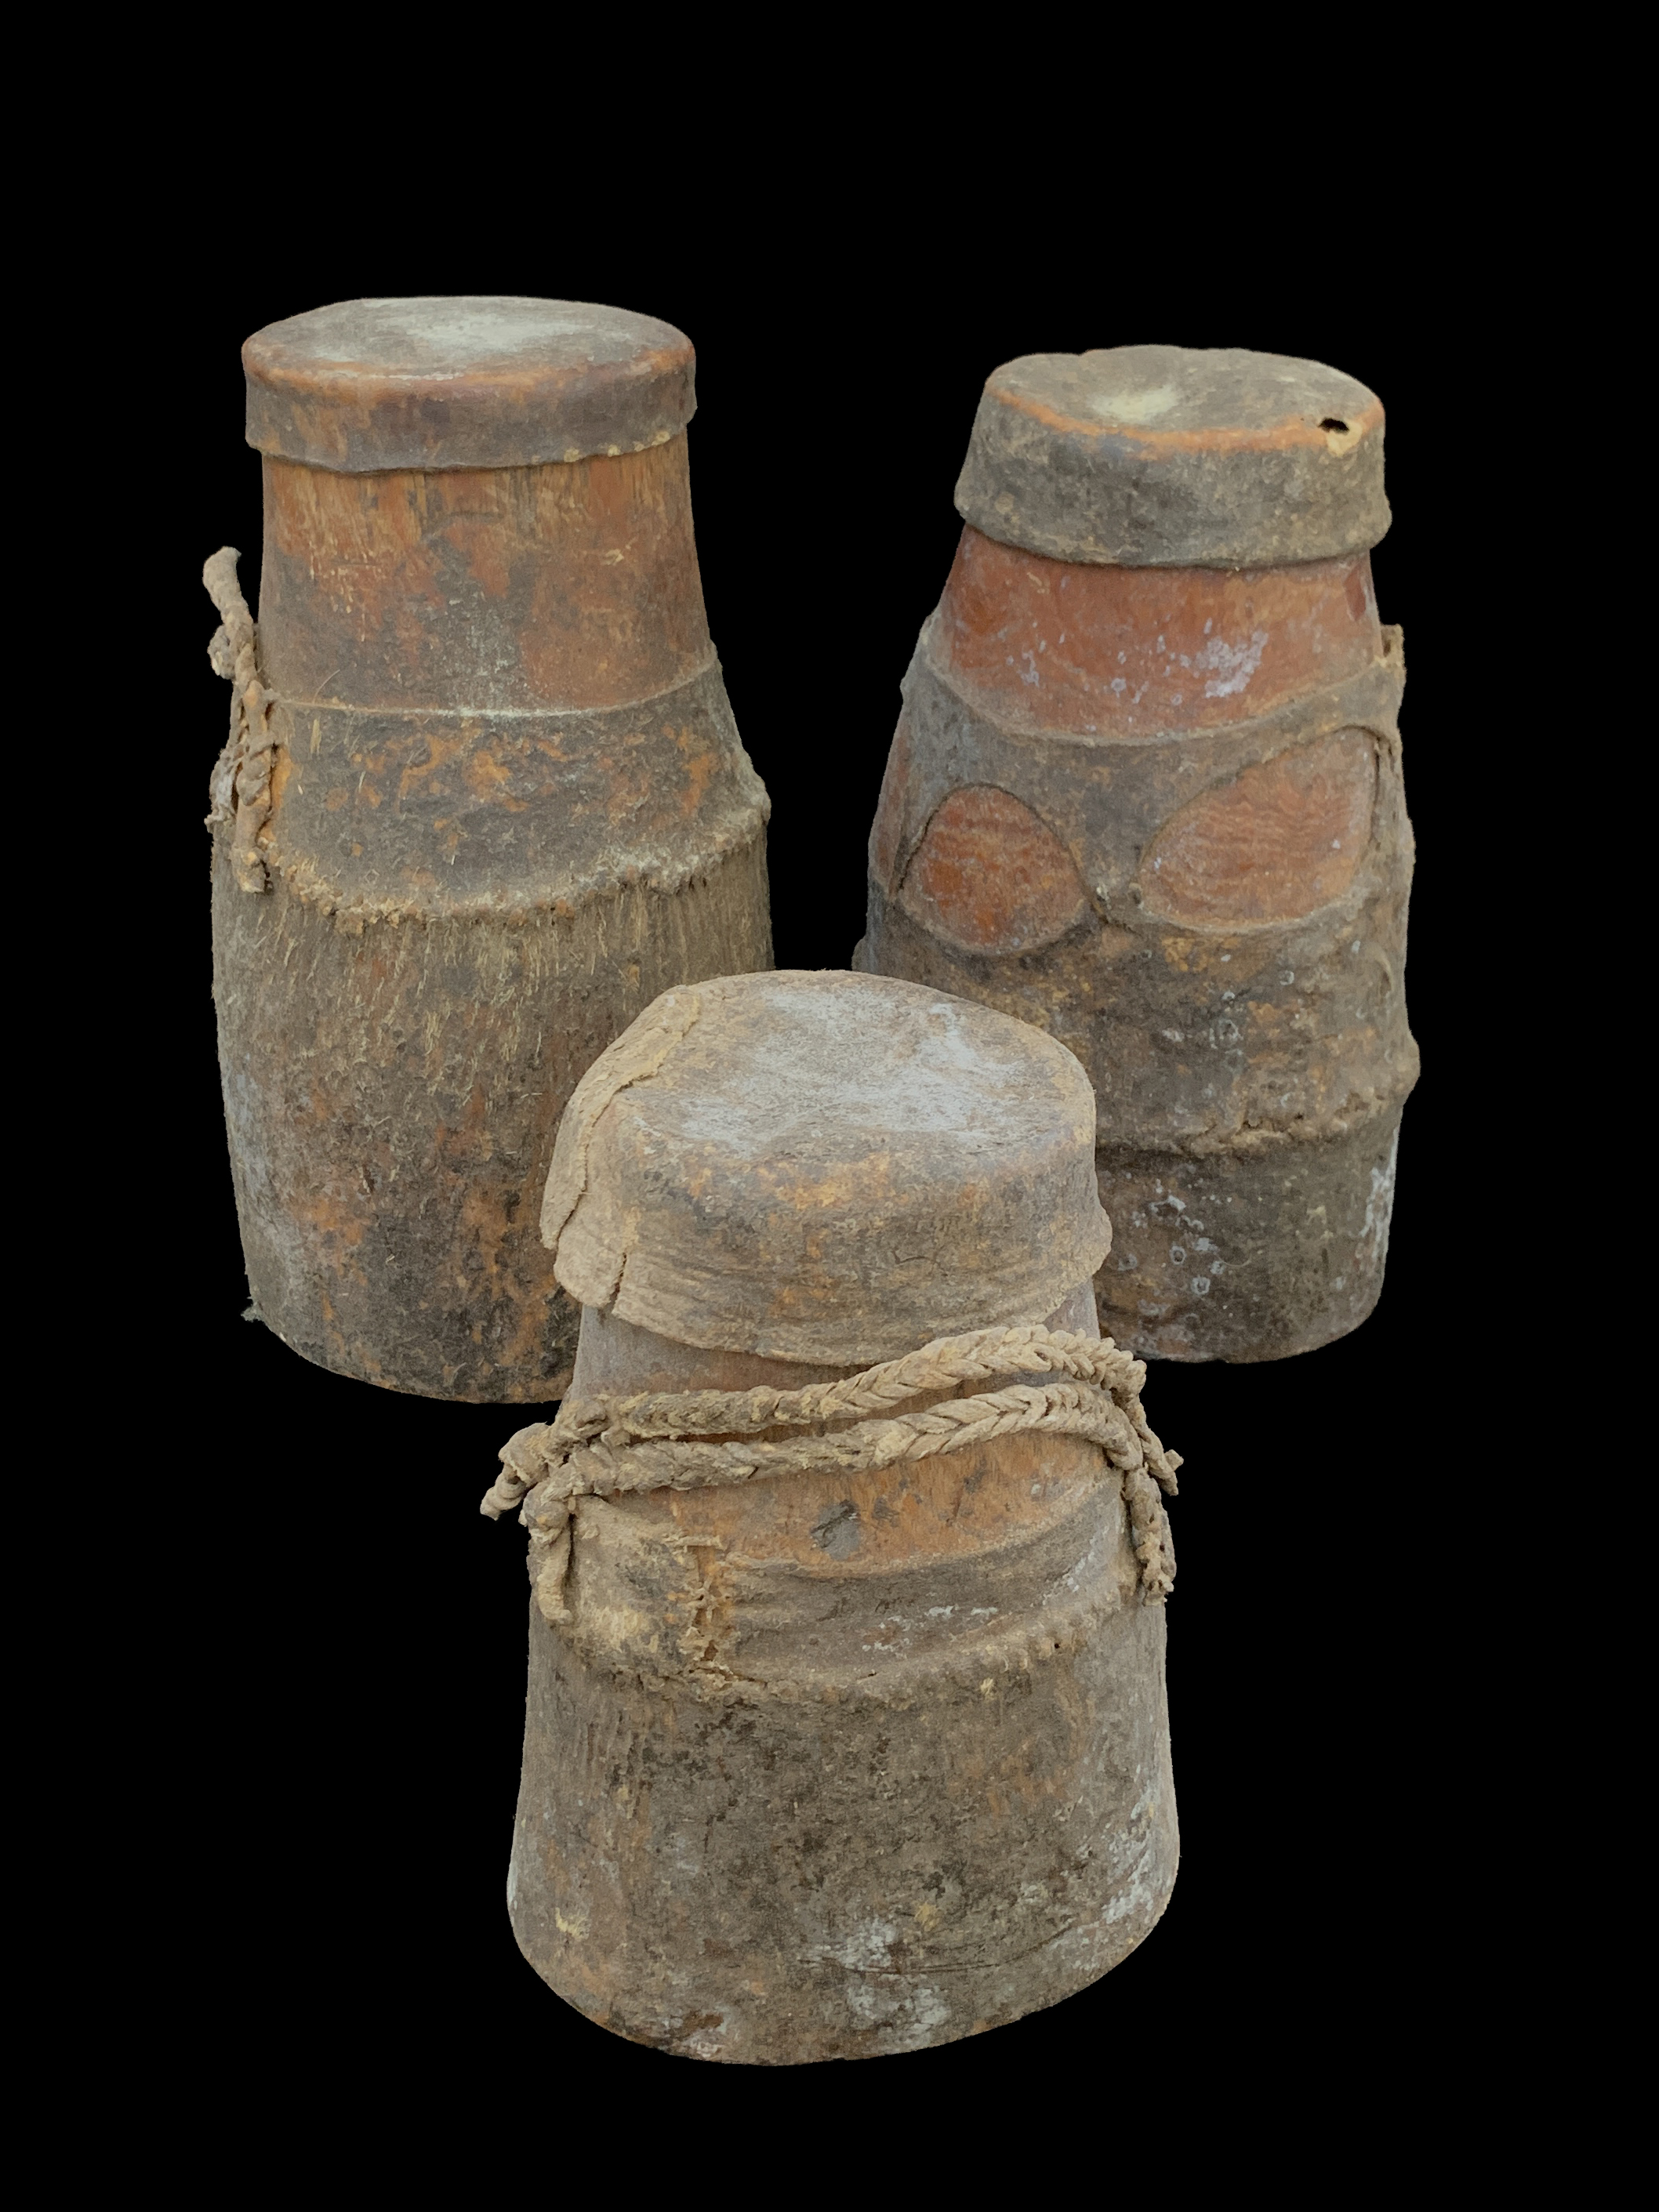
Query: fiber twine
point(238, 792)
point(689, 1440)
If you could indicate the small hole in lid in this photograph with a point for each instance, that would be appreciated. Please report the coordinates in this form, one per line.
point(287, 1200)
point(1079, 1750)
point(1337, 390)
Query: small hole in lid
point(1330, 423)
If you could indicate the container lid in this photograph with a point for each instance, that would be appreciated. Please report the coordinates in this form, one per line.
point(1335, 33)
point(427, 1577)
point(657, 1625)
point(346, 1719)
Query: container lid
point(1158, 457)
point(825, 1167)
point(467, 383)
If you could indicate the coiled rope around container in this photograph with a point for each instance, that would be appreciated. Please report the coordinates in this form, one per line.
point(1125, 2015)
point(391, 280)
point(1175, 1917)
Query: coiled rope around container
point(689, 1440)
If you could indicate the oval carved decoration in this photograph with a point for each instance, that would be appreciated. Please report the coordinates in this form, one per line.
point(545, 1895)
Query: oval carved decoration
point(1284, 838)
point(991, 877)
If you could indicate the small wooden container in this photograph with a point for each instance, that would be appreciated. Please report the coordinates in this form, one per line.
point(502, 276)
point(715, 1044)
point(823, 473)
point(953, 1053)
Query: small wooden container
point(828, 1766)
point(484, 800)
point(1146, 792)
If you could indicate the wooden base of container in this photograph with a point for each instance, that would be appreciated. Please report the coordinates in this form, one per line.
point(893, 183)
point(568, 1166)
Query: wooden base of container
point(1247, 1255)
point(767, 1881)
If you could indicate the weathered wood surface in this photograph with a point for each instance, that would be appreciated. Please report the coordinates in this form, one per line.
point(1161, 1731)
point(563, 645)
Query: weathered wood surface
point(1146, 792)
point(508, 806)
point(830, 1765)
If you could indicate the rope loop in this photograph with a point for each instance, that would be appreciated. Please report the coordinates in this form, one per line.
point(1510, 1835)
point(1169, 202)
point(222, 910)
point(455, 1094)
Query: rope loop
point(695, 1439)
point(239, 790)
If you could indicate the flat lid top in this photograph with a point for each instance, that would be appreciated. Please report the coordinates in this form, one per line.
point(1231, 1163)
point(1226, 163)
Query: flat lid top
point(484, 339)
point(1213, 398)
point(464, 382)
point(1158, 456)
point(826, 1167)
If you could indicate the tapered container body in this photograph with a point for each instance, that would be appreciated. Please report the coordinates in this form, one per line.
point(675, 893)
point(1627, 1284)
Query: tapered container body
point(827, 1766)
point(1146, 792)
point(489, 802)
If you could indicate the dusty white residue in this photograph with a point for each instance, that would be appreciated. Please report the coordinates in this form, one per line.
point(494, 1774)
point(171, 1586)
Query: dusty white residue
point(1234, 664)
point(877, 1994)
point(1135, 406)
point(1137, 1892)
point(439, 339)
point(870, 1945)
point(1379, 1207)
point(936, 1074)
point(892, 2004)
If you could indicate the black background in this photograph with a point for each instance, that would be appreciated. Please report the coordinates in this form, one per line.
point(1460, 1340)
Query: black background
point(331, 1754)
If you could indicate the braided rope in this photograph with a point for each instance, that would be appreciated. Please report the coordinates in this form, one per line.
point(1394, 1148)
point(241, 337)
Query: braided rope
point(936, 1366)
point(684, 1440)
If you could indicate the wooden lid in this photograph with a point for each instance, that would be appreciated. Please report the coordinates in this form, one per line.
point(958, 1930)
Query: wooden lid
point(466, 383)
point(825, 1167)
point(1157, 457)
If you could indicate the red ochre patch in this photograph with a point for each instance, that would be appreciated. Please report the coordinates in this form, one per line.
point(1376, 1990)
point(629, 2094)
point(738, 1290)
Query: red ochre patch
point(992, 877)
point(1284, 838)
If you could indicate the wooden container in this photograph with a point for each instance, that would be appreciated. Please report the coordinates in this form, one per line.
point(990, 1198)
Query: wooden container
point(484, 800)
point(830, 1764)
point(1146, 792)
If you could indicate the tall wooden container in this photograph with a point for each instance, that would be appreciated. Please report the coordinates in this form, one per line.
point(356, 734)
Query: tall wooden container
point(1146, 792)
point(828, 1764)
point(483, 800)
